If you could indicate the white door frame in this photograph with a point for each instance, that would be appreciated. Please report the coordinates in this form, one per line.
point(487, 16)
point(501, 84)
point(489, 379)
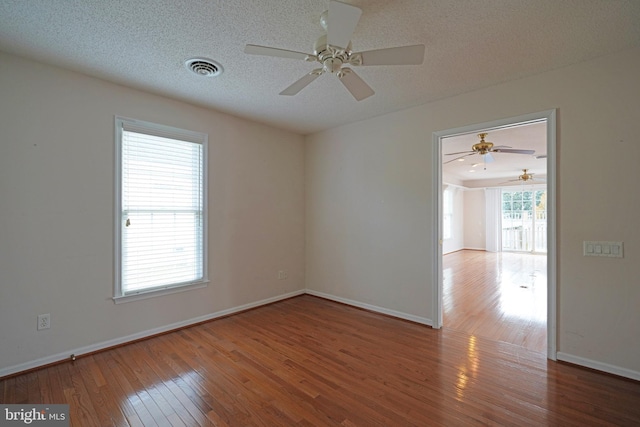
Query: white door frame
point(550, 117)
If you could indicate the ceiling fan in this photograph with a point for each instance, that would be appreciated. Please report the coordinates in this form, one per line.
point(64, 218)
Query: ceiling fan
point(485, 148)
point(333, 52)
point(527, 177)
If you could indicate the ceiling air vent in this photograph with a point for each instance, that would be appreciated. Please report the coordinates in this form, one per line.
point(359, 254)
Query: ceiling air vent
point(204, 67)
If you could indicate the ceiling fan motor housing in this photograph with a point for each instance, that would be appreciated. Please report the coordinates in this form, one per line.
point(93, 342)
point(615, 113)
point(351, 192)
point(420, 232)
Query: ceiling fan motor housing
point(331, 57)
point(482, 147)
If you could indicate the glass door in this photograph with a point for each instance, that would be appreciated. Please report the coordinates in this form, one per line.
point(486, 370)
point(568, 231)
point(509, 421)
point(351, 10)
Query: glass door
point(524, 220)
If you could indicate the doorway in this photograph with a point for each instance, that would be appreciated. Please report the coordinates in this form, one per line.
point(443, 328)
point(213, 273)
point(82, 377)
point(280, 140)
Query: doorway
point(494, 233)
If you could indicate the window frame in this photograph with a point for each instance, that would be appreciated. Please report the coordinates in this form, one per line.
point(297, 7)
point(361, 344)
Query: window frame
point(149, 128)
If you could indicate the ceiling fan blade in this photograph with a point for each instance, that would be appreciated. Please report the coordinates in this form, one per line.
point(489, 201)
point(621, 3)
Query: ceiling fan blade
point(341, 23)
point(461, 152)
point(354, 84)
point(405, 55)
point(253, 49)
point(509, 182)
point(541, 156)
point(512, 151)
point(458, 158)
point(302, 83)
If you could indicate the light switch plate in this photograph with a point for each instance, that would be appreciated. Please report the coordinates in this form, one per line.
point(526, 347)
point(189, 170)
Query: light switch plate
point(605, 249)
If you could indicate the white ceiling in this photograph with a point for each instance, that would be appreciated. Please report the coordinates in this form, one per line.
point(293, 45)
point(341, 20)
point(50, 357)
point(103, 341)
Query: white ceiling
point(469, 45)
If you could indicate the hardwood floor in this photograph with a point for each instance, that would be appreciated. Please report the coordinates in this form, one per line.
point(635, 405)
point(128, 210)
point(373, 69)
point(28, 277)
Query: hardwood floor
point(312, 362)
point(500, 296)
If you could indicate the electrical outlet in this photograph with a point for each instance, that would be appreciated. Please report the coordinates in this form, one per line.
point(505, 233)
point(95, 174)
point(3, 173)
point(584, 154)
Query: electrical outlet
point(44, 321)
point(282, 274)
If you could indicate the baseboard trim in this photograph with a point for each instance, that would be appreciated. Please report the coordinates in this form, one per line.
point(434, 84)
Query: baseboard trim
point(104, 345)
point(64, 356)
point(599, 366)
point(381, 310)
point(464, 249)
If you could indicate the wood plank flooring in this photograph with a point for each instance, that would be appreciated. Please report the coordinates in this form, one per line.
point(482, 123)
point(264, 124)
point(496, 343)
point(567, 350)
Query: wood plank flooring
point(311, 362)
point(500, 296)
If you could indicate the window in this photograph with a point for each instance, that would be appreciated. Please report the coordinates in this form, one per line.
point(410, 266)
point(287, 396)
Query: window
point(447, 214)
point(160, 210)
point(524, 220)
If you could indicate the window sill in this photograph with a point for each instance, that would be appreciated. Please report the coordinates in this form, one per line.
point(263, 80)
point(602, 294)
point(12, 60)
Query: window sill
point(159, 292)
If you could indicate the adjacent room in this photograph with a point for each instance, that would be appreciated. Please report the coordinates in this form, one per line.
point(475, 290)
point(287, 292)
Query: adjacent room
point(494, 229)
point(239, 213)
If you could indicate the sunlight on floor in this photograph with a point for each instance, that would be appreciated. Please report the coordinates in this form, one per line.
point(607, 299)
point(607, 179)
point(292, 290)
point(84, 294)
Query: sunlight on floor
point(502, 296)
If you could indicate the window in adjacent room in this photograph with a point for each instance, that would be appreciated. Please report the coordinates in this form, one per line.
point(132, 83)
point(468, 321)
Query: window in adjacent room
point(524, 220)
point(447, 214)
point(160, 209)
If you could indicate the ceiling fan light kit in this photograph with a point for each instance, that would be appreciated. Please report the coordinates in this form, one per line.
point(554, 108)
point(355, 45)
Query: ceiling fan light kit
point(333, 52)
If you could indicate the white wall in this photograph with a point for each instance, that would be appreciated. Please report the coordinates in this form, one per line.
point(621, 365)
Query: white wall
point(475, 226)
point(369, 226)
point(369, 229)
point(56, 212)
point(367, 194)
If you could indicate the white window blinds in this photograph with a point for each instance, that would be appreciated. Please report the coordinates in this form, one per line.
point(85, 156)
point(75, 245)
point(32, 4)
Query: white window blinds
point(162, 207)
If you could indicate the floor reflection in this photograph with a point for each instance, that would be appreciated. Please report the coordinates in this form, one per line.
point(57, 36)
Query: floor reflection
point(523, 289)
point(469, 368)
point(502, 296)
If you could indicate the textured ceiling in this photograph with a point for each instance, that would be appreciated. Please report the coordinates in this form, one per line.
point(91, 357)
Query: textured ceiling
point(469, 45)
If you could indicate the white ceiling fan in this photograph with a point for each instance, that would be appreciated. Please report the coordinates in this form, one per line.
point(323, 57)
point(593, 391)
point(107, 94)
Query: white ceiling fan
point(485, 148)
point(333, 52)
